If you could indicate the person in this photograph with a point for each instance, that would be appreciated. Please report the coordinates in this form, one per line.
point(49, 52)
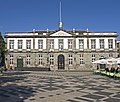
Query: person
point(117, 69)
point(112, 70)
point(1, 70)
point(107, 69)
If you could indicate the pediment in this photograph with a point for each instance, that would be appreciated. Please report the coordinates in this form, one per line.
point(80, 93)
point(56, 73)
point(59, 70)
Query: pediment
point(60, 33)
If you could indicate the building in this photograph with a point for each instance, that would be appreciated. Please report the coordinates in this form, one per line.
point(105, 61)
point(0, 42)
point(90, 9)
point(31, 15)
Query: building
point(118, 48)
point(2, 50)
point(59, 49)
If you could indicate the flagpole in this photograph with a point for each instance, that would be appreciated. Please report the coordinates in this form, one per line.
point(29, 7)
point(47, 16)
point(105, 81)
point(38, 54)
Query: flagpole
point(60, 26)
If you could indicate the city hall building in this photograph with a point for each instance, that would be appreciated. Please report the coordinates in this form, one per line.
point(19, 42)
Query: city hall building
point(58, 49)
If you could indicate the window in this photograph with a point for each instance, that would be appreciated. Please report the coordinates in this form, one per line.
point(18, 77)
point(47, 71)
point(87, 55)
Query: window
point(70, 43)
point(51, 59)
point(28, 59)
point(93, 44)
point(110, 55)
point(81, 59)
point(70, 59)
point(11, 59)
point(20, 43)
point(81, 44)
point(110, 43)
point(93, 57)
point(60, 44)
point(101, 43)
point(28, 44)
point(51, 43)
point(40, 44)
point(11, 44)
point(40, 59)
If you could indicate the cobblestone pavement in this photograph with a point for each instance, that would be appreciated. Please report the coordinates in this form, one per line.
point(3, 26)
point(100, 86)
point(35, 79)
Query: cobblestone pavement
point(58, 87)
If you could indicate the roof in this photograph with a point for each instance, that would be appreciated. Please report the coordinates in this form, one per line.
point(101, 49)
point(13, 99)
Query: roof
point(49, 32)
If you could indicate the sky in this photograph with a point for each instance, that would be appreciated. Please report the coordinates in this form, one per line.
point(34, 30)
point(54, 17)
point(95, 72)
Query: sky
point(25, 15)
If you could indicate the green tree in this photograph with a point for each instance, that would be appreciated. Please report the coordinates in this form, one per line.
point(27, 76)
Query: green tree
point(2, 50)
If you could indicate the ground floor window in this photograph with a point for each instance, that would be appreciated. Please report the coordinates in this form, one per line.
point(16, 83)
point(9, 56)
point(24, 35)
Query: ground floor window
point(70, 59)
point(110, 55)
point(40, 59)
point(93, 57)
point(11, 60)
point(81, 59)
point(28, 60)
point(51, 59)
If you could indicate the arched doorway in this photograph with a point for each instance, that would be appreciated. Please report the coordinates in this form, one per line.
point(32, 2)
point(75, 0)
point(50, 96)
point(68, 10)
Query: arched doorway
point(61, 62)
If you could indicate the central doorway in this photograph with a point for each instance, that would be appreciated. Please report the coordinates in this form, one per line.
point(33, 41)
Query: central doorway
point(61, 62)
point(20, 62)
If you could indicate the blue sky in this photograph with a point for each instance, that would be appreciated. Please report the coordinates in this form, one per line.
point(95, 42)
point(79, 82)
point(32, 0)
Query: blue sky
point(25, 15)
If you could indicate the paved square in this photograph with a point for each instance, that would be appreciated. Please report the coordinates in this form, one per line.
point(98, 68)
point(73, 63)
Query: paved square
point(58, 87)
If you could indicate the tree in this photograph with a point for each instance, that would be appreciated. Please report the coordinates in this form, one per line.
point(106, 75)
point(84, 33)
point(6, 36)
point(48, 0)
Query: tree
point(2, 50)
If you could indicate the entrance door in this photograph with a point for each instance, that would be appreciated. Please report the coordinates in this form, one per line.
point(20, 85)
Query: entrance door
point(61, 62)
point(20, 62)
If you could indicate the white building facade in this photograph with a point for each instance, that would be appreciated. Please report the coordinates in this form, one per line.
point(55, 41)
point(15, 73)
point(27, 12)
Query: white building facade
point(59, 49)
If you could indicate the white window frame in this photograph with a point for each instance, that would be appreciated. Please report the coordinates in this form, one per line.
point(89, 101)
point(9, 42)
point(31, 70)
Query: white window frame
point(70, 43)
point(93, 44)
point(51, 43)
point(102, 43)
point(28, 44)
point(110, 43)
point(81, 43)
point(11, 44)
point(60, 44)
point(20, 44)
point(40, 44)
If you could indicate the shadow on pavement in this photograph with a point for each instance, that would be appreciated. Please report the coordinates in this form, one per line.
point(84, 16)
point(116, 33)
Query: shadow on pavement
point(11, 90)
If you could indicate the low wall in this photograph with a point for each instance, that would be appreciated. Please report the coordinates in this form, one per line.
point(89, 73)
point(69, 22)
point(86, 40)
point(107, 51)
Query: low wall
point(32, 69)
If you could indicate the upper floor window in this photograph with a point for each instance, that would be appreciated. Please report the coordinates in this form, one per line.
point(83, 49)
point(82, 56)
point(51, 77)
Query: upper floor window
point(110, 43)
point(51, 43)
point(11, 44)
point(60, 44)
point(20, 43)
point(28, 44)
point(81, 44)
point(70, 43)
point(101, 43)
point(93, 44)
point(40, 44)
